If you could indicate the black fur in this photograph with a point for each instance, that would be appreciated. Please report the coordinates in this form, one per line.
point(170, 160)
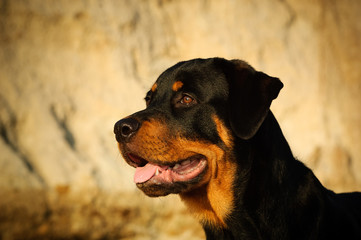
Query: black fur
point(276, 196)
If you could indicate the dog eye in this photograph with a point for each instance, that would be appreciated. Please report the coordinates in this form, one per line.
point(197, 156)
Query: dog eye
point(148, 98)
point(147, 101)
point(187, 100)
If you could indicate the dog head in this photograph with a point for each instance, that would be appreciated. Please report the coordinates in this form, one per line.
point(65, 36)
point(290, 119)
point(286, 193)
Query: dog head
point(184, 139)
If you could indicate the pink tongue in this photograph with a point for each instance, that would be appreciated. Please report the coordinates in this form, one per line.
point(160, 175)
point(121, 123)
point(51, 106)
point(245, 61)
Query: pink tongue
point(143, 174)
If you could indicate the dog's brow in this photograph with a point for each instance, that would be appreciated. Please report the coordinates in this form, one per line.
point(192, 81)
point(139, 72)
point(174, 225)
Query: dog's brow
point(177, 85)
point(154, 87)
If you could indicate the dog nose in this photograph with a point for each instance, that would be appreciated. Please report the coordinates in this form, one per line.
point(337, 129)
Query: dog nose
point(125, 128)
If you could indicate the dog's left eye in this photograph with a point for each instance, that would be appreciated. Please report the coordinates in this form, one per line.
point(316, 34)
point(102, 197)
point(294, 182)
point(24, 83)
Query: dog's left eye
point(148, 98)
point(147, 101)
point(187, 100)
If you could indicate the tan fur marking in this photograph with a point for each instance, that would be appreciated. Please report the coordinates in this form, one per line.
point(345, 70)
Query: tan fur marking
point(177, 85)
point(154, 87)
point(223, 132)
point(211, 200)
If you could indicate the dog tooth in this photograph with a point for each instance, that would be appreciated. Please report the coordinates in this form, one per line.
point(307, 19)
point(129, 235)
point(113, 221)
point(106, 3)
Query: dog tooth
point(185, 162)
point(176, 166)
point(157, 172)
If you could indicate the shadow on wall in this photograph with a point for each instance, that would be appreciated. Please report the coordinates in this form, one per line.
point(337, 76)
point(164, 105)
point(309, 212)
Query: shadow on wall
point(70, 70)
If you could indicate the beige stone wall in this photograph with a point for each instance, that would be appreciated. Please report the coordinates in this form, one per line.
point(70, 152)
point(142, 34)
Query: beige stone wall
point(70, 69)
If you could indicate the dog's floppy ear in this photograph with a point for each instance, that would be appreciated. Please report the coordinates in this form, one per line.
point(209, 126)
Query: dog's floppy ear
point(251, 93)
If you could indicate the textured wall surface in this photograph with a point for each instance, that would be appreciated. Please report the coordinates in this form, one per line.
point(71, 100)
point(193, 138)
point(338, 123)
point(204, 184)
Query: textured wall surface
point(70, 69)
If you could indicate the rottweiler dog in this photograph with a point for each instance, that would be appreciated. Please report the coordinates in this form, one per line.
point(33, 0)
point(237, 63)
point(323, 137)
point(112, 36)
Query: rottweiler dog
point(208, 134)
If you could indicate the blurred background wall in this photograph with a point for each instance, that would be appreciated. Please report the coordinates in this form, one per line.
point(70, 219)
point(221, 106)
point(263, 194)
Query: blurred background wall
point(70, 69)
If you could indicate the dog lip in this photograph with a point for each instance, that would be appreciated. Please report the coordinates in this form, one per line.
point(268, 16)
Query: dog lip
point(184, 171)
point(135, 160)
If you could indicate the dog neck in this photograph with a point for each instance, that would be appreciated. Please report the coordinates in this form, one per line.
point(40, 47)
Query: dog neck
point(267, 179)
point(245, 209)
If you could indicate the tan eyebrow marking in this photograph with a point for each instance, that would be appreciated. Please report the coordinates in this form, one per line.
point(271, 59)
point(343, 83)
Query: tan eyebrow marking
point(177, 85)
point(154, 87)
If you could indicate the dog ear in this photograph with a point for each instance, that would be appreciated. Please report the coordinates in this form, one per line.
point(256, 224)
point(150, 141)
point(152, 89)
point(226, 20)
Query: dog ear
point(251, 93)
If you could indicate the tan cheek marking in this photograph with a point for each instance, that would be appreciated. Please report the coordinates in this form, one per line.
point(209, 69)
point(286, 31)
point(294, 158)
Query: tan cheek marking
point(214, 201)
point(221, 190)
point(154, 87)
point(177, 85)
point(223, 132)
point(151, 141)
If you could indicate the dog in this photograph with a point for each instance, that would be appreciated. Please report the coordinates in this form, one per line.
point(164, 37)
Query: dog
point(208, 134)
